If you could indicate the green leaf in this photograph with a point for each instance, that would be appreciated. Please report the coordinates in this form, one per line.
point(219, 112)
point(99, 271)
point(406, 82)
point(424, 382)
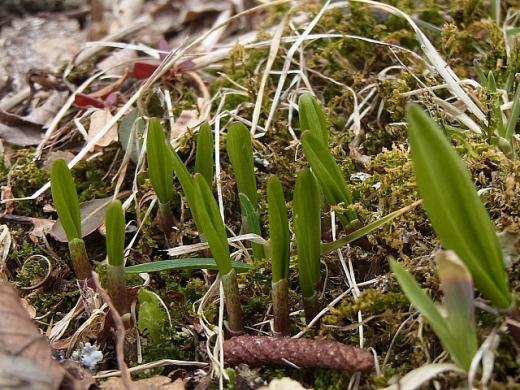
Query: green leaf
point(151, 318)
point(177, 264)
point(328, 175)
point(280, 239)
point(307, 227)
point(204, 153)
point(454, 208)
point(211, 224)
point(115, 233)
point(252, 224)
point(423, 303)
point(457, 286)
point(312, 117)
point(240, 152)
point(159, 164)
point(514, 116)
point(65, 199)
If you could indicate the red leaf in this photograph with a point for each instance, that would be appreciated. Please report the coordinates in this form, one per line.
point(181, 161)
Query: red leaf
point(83, 101)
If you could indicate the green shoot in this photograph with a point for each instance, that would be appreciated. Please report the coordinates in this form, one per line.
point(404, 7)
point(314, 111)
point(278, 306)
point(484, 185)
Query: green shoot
point(252, 221)
point(151, 318)
point(204, 153)
point(329, 176)
point(456, 212)
point(212, 226)
point(307, 227)
point(312, 117)
point(160, 170)
point(65, 199)
point(66, 203)
point(280, 242)
point(115, 241)
point(456, 330)
point(183, 264)
point(240, 152)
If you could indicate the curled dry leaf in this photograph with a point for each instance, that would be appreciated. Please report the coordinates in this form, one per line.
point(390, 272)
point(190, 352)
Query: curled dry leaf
point(5, 245)
point(98, 120)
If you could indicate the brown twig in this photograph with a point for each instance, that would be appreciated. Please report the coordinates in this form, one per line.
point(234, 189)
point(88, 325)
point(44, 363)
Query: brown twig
point(120, 334)
point(283, 351)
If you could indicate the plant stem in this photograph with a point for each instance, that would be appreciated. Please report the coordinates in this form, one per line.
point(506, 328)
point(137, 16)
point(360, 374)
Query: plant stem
point(232, 300)
point(164, 219)
point(514, 329)
point(79, 258)
point(117, 288)
point(281, 307)
point(311, 307)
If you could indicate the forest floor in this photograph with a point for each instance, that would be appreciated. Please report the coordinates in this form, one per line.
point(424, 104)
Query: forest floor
point(73, 85)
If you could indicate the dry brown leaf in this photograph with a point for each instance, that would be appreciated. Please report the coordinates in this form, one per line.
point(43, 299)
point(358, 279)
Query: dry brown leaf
point(5, 245)
point(6, 194)
point(41, 227)
point(187, 119)
point(118, 63)
point(21, 339)
point(98, 120)
point(154, 383)
point(44, 114)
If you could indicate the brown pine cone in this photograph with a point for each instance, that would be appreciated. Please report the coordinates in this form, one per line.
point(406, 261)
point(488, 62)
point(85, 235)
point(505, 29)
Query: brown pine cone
point(262, 350)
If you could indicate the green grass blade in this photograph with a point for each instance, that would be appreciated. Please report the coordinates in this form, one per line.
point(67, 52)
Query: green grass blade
point(240, 152)
point(307, 227)
point(329, 175)
point(183, 264)
point(496, 112)
point(357, 234)
point(159, 164)
point(211, 224)
point(423, 303)
point(280, 239)
point(457, 286)
point(252, 221)
point(312, 117)
point(514, 116)
point(204, 153)
point(115, 233)
point(65, 199)
point(454, 208)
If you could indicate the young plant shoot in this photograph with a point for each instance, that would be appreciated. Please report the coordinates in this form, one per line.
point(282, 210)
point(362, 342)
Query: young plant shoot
point(279, 245)
point(160, 170)
point(209, 223)
point(307, 228)
point(456, 329)
point(312, 117)
point(115, 241)
point(204, 153)
point(240, 152)
point(324, 166)
point(456, 212)
point(67, 206)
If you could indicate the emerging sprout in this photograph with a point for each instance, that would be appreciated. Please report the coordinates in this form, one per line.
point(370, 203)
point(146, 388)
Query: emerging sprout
point(115, 241)
point(67, 206)
point(204, 153)
point(161, 173)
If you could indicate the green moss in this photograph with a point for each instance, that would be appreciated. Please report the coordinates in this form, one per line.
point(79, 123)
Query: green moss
point(90, 177)
point(330, 379)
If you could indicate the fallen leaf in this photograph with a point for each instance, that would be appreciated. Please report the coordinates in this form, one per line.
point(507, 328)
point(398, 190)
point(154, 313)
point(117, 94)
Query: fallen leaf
point(187, 120)
point(41, 227)
point(6, 195)
point(118, 63)
point(92, 217)
point(57, 155)
point(24, 347)
point(129, 141)
point(83, 101)
point(44, 114)
point(283, 384)
point(98, 120)
point(19, 131)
